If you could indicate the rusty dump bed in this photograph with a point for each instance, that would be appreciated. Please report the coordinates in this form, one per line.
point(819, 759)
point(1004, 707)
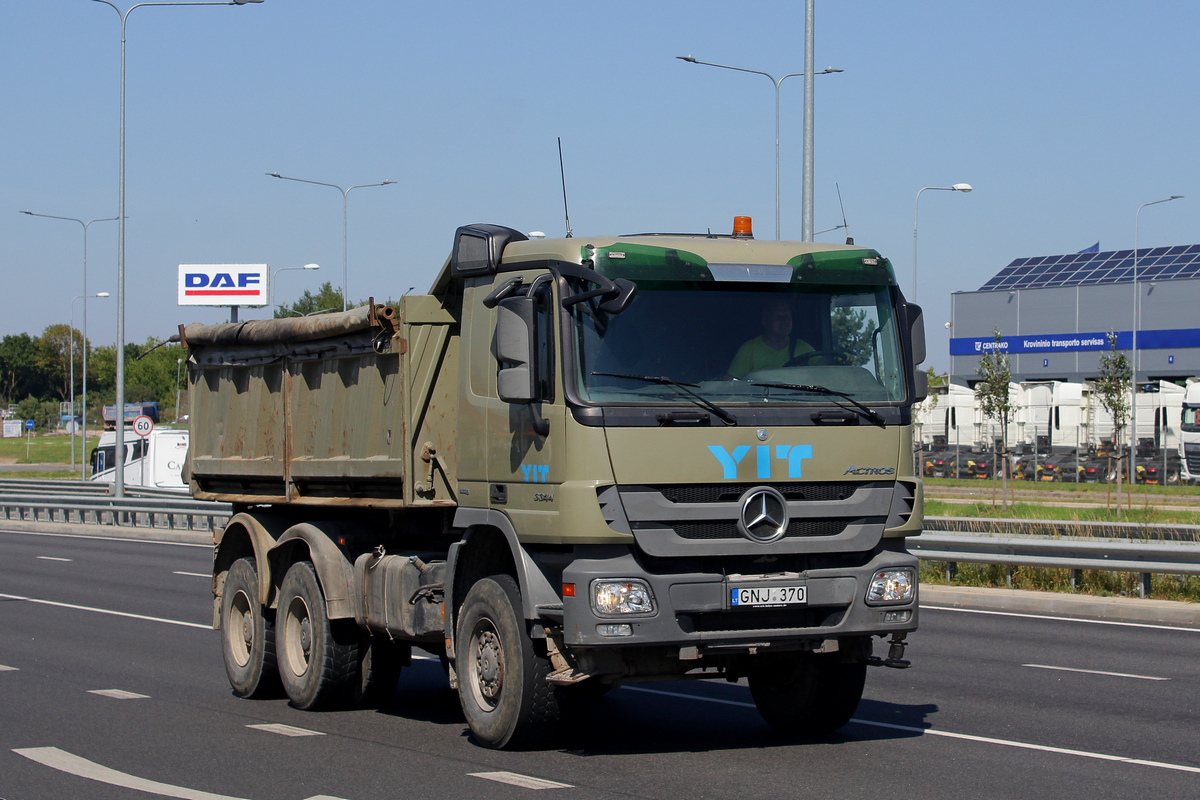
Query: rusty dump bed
point(325, 409)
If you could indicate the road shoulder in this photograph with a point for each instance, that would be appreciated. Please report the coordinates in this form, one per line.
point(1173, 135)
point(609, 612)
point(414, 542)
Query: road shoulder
point(1060, 604)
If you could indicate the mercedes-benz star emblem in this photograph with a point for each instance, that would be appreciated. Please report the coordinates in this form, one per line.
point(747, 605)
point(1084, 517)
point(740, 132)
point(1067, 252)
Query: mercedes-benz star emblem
point(764, 516)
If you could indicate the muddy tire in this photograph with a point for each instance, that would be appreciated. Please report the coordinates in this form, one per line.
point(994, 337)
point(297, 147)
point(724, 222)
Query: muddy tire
point(804, 694)
point(247, 634)
point(317, 657)
point(502, 682)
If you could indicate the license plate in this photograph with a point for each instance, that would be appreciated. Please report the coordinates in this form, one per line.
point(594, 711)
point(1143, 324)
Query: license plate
point(767, 596)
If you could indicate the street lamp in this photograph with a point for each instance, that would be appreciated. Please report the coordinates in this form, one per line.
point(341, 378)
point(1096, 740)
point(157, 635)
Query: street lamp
point(958, 187)
point(85, 295)
point(71, 359)
point(345, 194)
point(285, 269)
point(1136, 307)
point(119, 474)
point(806, 232)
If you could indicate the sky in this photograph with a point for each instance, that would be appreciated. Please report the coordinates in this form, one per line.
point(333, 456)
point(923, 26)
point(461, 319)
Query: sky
point(1064, 116)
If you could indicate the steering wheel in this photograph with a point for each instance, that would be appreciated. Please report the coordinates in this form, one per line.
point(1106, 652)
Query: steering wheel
point(803, 359)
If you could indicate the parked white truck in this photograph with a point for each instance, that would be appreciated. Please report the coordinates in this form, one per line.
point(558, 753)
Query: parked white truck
point(152, 462)
point(1189, 435)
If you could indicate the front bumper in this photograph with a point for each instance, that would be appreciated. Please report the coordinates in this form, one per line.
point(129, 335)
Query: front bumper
point(693, 608)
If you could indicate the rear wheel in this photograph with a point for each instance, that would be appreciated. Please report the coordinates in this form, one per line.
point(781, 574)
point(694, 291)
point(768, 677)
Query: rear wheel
point(502, 682)
point(806, 694)
point(318, 657)
point(247, 634)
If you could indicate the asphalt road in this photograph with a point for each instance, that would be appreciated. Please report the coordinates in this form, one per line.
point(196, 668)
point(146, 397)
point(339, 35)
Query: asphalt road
point(996, 705)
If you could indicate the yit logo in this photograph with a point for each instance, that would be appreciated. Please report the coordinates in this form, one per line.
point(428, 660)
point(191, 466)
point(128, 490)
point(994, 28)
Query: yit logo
point(535, 473)
point(791, 455)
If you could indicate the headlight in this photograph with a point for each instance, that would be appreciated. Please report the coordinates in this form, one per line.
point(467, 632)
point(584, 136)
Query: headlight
point(892, 586)
point(616, 597)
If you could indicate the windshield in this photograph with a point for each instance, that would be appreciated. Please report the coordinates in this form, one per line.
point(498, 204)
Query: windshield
point(1190, 422)
point(729, 339)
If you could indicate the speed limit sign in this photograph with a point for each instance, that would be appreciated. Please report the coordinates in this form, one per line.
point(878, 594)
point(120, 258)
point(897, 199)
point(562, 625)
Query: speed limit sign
point(143, 425)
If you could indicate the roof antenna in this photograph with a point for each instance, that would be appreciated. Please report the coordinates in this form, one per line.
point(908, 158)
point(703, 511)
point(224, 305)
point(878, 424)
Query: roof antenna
point(849, 239)
point(562, 172)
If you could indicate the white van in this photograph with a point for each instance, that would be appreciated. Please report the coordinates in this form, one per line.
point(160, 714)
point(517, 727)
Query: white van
point(154, 461)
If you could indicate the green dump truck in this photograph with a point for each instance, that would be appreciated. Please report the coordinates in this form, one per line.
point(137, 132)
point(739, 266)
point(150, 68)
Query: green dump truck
point(574, 464)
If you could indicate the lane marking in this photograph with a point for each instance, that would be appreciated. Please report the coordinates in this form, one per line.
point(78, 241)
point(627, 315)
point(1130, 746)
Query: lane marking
point(285, 730)
point(119, 694)
point(106, 611)
point(194, 574)
point(524, 781)
point(1063, 619)
point(1098, 672)
point(104, 538)
point(950, 735)
point(53, 558)
point(8, 669)
point(71, 764)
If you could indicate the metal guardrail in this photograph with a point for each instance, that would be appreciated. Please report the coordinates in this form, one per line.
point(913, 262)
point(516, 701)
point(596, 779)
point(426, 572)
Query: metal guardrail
point(1127, 547)
point(86, 503)
point(1110, 546)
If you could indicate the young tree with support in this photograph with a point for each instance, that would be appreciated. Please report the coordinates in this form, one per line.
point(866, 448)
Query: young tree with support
point(1112, 386)
point(995, 401)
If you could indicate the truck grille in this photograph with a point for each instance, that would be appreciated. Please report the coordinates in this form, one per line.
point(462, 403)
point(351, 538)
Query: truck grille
point(1192, 453)
point(729, 493)
point(729, 530)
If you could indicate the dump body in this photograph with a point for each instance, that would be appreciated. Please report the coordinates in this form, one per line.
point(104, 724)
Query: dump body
point(335, 412)
point(647, 456)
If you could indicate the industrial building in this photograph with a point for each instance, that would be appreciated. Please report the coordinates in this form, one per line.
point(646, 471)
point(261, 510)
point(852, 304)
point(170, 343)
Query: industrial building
point(1054, 314)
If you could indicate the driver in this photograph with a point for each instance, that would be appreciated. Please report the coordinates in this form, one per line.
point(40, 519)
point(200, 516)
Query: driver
point(770, 350)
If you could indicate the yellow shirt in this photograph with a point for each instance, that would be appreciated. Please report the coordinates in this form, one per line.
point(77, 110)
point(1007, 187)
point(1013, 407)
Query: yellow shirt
point(757, 354)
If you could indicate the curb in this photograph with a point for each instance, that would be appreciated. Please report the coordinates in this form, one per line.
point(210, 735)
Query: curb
point(1060, 604)
point(169, 535)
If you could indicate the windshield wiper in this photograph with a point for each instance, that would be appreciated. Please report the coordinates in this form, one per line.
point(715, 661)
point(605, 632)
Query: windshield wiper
point(870, 414)
point(685, 388)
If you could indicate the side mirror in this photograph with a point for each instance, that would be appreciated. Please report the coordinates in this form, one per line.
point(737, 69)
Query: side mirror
point(514, 346)
point(920, 385)
point(916, 327)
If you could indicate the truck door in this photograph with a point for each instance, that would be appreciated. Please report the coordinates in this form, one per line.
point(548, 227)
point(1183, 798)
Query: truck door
point(524, 435)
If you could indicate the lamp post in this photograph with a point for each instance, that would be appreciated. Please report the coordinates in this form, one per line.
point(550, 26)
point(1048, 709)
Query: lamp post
point(958, 187)
point(806, 231)
point(1136, 307)
point(119, 473)
point(285, 269)
point(345, 195)
point(85, 295)
point(71, 359)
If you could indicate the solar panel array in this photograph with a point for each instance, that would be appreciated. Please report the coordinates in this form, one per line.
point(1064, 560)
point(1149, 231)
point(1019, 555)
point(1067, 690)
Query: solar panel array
point(1077, 269)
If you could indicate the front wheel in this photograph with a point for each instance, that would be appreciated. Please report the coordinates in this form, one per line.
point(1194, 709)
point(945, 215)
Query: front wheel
point(502, 682)
point(247, 634)
point(806, 694)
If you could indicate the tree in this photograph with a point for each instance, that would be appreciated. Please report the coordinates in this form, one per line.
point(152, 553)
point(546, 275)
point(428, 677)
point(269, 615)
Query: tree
point(21, 373)
point(326, 299)
point(1112, 387)
point(995, 402)
point(55, 347)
